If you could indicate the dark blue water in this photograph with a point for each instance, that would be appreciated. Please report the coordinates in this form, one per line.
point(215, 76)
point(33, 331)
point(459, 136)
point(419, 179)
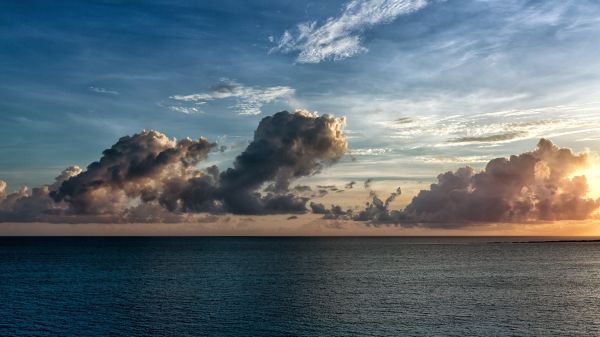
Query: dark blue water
point(297, 286)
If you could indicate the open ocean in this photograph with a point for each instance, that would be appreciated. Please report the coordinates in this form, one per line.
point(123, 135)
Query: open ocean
point(298, 287)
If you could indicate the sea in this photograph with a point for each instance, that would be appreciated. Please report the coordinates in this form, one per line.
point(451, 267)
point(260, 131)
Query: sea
point(299, 286)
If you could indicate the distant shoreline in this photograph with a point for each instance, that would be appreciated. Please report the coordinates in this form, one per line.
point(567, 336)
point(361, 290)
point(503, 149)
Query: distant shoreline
point(556, 241)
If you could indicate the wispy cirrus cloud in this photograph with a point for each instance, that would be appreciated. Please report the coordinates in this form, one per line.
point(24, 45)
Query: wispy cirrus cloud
point(340, 37)
point(440, 158)
point(185, 110)
point(250, 99)
point(493, 128)
point(370, 151)
point(499, 137)
point(100, 90)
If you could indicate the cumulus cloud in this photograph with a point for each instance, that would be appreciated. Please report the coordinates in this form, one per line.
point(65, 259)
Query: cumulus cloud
point(534, 186)
point(2, 189)
point(285, 146)
point(34, 205)
point(250, 100)
point(340, 37)
point(65, 175)
point(150, 177)
point(136, 167)
point(125, 185)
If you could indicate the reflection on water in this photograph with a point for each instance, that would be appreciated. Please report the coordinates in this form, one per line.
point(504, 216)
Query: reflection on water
point(298, 286)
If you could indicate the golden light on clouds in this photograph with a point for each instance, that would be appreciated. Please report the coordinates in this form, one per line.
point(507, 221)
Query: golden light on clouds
point(592, 174)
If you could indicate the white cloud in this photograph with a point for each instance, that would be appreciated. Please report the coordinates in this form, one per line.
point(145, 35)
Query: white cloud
point(105, 91)
point(249, 99)
point(185, 110)
point(498, 127)
point(453, 159)
point(340, 37)
point(369, 151)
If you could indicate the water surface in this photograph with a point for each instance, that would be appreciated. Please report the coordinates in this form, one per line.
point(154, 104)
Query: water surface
point(298, 286)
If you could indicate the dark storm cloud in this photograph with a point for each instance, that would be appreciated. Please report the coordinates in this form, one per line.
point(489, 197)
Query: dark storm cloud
point(332, 188)
point(377, 211)
point(141, 166)
point(285, 146)
point(302, 188)
point(149, 177)
point(335, 212)
point(318, 208)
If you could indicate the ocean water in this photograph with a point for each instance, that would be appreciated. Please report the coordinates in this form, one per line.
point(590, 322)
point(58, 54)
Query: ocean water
point(298, 287)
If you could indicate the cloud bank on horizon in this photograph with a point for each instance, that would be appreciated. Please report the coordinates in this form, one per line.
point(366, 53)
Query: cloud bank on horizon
point(540, 185)
point(148, 177)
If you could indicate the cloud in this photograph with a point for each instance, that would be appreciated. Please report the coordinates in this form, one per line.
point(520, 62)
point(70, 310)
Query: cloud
point(489, 139)
point(442, 129)
point(452, 159)
point(335, 212)
point(65, 175)
point(350, 185)
point(36, 205)
point(103, 91)
point(185, 110)
point(536, 185)
point(250, 100)
point(331, 188)
point(2, 189)
point(370, 151)
point(138, 168)
point(540, 185)
point(340, 37)
point(377, 211)
point(403, 120)
point(285, 146)
point(148, 177)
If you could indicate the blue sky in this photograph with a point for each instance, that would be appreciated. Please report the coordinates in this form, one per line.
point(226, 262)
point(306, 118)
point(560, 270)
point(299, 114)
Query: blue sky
point(426, 86)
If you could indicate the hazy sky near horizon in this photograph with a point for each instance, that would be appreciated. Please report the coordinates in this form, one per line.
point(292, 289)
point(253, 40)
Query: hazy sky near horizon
point(425, 86)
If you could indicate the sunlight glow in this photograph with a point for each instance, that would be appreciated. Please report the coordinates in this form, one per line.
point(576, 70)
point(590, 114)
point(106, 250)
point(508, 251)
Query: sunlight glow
point(592, 175)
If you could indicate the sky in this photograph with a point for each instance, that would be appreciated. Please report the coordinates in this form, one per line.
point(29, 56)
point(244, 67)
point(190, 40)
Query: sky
point(424, 87)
